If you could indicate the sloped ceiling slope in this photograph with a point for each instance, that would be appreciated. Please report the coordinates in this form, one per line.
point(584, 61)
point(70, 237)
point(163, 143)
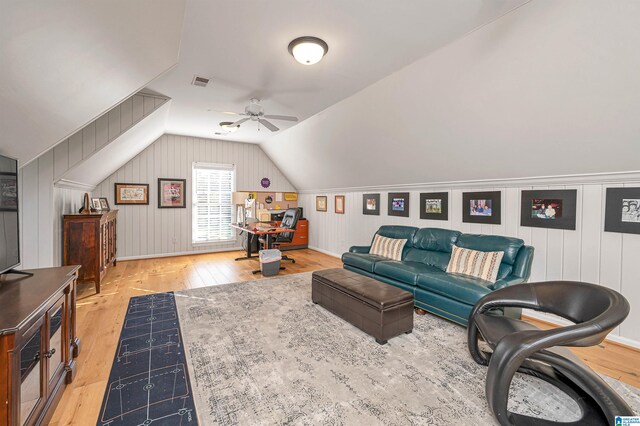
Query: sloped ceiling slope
point(549, 89)
point(62, 64)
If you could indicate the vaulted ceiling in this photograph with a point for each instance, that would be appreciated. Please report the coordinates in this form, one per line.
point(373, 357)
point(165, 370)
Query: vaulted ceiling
point(62, 64)
point(242, 47)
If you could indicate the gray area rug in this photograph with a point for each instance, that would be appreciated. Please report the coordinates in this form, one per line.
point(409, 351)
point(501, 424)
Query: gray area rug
point(260, 352)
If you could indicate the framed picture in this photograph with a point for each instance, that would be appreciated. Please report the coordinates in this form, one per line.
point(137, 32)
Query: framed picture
point(371, 204)
point(321, 203)
point(95, 204)
point(339, 204)
point(131, 193)
point(398, 204)
point(8, 192)
point(104, 204)
point(481, 207)
point(434, 205)
point(171, 193)
point(622, 211)
point(553, 208)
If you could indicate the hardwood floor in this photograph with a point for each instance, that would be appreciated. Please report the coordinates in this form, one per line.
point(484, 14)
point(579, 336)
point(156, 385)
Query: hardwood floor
point(99, 319)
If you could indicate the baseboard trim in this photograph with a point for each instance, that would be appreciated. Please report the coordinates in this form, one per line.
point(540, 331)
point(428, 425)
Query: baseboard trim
point(178, 253)
point(611, 338)
point(325, 252)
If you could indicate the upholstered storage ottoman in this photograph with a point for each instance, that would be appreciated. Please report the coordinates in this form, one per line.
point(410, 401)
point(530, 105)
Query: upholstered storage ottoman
point(380, 310)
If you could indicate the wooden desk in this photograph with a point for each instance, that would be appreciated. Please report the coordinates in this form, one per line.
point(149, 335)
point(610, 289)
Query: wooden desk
point(255, 230)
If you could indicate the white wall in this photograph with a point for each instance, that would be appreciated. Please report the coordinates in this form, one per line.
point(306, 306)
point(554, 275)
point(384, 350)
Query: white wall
point(550, 89)
point(42, 204)
point(147, 231)
point(586, 254)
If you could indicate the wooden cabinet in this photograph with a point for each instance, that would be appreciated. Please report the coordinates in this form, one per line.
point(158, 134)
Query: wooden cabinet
point(38, 343)
point(300, 237)
point(90, 240)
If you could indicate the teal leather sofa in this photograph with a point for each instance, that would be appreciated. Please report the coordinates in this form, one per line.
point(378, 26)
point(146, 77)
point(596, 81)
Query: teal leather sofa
point(422, 270)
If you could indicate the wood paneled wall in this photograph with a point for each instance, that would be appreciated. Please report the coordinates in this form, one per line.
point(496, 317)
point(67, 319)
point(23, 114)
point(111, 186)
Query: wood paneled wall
point(586, 254)
point(42, 204)
point(147, 231)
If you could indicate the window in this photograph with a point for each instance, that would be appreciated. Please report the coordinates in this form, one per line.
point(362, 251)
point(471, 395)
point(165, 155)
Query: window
point(213, 185)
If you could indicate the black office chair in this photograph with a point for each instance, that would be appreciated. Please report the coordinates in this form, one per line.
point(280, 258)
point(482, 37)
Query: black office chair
point(519, 346)
point(289, 221)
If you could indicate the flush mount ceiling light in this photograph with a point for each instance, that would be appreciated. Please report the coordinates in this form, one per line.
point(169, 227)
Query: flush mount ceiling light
point(308, 50)
point(228, 126)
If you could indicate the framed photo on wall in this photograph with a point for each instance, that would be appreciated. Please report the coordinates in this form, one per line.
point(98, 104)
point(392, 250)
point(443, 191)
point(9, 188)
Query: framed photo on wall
point(371, 204)
point(398, 204)
point(321, 203)
point(481, 207)
point(622, 211)
point(172, 193)
point(549, 208)
point(131, 193)
point(339, 204)
point(434, 205)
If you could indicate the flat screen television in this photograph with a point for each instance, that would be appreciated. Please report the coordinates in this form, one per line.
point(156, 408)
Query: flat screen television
point(9, 229)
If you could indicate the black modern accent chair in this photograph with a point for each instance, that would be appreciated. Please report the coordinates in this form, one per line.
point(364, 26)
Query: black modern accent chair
point(519, 346)
point(289, 221)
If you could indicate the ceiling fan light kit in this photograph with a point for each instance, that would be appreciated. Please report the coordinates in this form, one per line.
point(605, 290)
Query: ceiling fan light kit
point(308, 50)
point(229, 127)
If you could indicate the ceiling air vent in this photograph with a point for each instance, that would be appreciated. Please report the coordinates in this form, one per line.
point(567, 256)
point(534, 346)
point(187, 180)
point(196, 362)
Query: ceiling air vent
point(200, 81)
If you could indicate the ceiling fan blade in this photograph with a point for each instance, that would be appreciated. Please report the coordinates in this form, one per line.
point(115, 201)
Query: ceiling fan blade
point(239, 122)
point(268, 125)
point(233, 113)
point(281, 117)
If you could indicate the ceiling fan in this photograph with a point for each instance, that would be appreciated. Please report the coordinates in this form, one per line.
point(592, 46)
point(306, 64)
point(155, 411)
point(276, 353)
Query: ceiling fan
point(255, 112)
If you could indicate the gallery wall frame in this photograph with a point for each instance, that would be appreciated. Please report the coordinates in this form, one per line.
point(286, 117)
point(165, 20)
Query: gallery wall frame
point(549, 208)
point(622, 210)
point(371, 204)
point(131, 193)
point(172, 193)
point(398, 204)
point(482, 207)
point(339, 204)
point(434, 205)
point(321, 203)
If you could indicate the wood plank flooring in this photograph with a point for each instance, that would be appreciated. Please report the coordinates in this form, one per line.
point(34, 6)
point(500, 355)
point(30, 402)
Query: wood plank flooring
point(100, 319)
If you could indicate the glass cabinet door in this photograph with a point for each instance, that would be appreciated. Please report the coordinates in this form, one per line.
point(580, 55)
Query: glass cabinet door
point(31, 388)
point(55, 347)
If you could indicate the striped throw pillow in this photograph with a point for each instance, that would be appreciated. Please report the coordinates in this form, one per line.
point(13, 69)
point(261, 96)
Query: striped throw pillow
point(387, 247)
point(479, 264)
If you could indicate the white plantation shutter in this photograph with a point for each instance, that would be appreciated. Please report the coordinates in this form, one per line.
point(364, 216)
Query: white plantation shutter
point(213, 210)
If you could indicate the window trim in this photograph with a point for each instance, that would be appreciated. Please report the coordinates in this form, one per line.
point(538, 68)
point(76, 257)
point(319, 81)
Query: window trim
point(211, 166)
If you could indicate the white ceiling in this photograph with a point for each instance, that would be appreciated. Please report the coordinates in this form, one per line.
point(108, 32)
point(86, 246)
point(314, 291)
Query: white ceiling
point(551, 89)
point(242, 46)
point(62, 64)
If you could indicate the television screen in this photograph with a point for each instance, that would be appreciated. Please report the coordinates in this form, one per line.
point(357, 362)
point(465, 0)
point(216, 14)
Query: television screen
point(9, 235)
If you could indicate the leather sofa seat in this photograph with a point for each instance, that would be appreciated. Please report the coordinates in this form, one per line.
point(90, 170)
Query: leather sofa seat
point(422, 268)
point(455, 286)
point(362, 261)
point(406, 272)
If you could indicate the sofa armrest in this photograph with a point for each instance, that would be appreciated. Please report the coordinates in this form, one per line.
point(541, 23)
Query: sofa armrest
point(360, 249)
point(507, 281)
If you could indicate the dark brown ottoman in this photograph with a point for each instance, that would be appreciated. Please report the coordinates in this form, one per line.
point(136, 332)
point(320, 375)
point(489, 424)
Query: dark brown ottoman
point(380, 310)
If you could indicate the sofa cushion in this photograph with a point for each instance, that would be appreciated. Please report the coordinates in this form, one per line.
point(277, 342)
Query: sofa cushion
point(387, 247)
point(435, 239)
point(510, 246)
point(398, 232)
point(458, 287)
point(406, 272)
point(479, 264)
point(432, 258)
point(362, 260)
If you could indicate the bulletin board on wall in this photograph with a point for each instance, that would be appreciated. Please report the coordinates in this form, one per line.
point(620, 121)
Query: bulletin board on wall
point(276, 200)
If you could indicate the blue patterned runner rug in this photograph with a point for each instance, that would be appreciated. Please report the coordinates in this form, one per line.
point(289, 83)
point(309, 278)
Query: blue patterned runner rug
point(149, 381)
